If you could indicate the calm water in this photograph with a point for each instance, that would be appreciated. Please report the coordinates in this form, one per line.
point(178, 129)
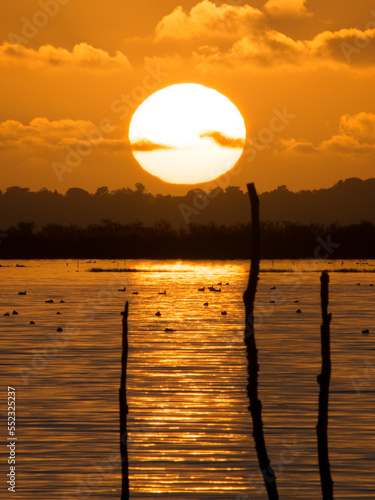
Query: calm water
point(190, 430)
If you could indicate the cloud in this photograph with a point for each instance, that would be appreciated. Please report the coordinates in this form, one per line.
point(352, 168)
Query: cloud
point(346, 46)
point(83, 55)
point(297, 146)
point(224, 140)
point(207, 20)
point(360, 126)
point(42, 133)
point(234, 35)
point(273, 48)
point(217, 137)
point(356, 135)
point(148, 146)
point(346, 144)
point(295, 8)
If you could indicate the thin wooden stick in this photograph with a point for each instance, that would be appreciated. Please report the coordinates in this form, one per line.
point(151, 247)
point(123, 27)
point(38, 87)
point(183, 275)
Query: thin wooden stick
point(124, 410)
point(323, 381)
point(252, 353)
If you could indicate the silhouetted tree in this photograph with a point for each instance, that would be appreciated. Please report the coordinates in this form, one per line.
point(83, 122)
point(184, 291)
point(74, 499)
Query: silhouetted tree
point(102, 191)
point(228, 207)
point(111, 239)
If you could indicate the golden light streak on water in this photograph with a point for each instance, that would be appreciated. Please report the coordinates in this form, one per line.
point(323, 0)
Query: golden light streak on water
point(189, 427)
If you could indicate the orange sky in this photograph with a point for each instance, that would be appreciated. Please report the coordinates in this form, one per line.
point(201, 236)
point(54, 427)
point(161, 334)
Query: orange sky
point(302, 73)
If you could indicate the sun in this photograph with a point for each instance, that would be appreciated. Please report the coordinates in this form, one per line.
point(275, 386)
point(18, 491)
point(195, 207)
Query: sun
point(187, 134)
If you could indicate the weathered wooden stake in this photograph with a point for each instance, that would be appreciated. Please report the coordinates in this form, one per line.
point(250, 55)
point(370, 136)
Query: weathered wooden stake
point(323, 381)
point(124, 408)
point(252, 352)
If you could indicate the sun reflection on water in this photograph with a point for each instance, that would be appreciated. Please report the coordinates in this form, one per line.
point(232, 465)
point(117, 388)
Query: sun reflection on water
point(189, 426)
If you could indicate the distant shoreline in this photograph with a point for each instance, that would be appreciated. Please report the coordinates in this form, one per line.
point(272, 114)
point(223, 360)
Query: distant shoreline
point(196, 241)
point(330, 266)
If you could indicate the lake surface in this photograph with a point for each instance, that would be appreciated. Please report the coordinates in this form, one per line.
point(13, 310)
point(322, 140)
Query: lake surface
point(189, 425)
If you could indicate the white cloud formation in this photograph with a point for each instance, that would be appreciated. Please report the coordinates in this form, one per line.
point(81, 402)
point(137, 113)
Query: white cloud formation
point(235, 35)
point(208, 20)
point(272, 47)
point(83, 55)
point(360, 126)
point(287, 8)
point(356, 135)
point(297, 146)
point(42, 133)
point(348, 47)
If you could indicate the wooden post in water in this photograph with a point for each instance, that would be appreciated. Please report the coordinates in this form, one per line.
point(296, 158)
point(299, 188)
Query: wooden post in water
point(124, 410)
point(323, 381)
point(252, 352)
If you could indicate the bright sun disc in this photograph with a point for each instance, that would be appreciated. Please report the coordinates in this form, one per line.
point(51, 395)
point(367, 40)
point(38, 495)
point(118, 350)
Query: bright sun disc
point(187, 134)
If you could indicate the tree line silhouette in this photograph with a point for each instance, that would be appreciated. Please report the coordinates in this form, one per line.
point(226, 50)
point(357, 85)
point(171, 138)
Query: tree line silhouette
point(113, 240)
point(347, 202)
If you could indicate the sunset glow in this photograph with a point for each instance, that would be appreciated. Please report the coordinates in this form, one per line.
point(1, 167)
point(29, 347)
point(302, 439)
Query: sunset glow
point(187, 249)
point(68, 100)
